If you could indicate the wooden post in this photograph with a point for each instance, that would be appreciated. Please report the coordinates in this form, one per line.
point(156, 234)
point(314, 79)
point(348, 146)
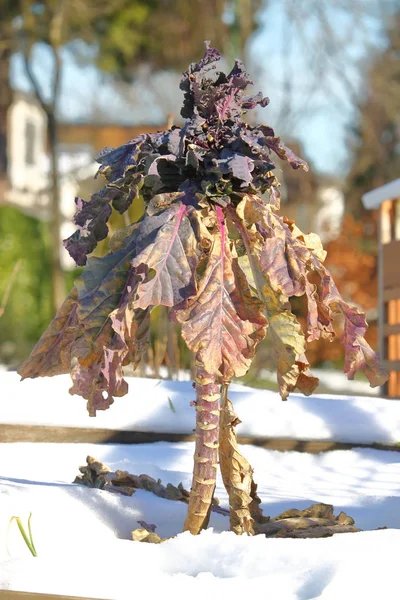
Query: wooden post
point(381, 303)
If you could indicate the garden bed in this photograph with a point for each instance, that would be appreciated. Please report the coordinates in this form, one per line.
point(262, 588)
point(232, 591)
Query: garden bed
point(83, 536)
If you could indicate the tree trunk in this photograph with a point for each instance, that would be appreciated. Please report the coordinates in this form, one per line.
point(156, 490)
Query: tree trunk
point(237, 474)
point(57, 275)
point(31, 35)
point(5, 103)
point(206, 449)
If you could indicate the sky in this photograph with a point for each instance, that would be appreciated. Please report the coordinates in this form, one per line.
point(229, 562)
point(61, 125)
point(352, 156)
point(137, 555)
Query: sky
point(311, 92)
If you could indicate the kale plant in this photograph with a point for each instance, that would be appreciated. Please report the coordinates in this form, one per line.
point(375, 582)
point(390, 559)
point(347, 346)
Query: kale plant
point(212, 247)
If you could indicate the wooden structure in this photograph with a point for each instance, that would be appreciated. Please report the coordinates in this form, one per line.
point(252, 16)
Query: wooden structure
point(98, 136)
point(386, 199)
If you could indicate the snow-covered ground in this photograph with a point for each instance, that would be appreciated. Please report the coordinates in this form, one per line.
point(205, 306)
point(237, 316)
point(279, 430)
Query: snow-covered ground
point(82, 535)
point(164, 406)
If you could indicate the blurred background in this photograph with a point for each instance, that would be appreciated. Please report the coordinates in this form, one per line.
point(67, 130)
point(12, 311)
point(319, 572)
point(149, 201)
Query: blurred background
point(79, 75)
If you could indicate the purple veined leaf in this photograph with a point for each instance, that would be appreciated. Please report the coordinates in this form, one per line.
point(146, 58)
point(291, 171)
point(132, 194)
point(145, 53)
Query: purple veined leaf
point(212, 324)
point(169, 260)
point(53, 353)
point(153, 168)
point(250, 102)
point(123, 201)
point(115, 333)
point(280, 255)
point(238, 76)
point(283, 259)
point(254, 140)
point(285, 153)
point(83, 332)
point(211, 55)
point(280, 263)
point(103, 280)
point(197, 74)
point(319, 318)
point(91, 218)
point(132, 330)
point(115, 161)
point(239, 165)
point(99, 376)
point(324, 301)
point(193, 158)
point(102, 287)
point(227, 105)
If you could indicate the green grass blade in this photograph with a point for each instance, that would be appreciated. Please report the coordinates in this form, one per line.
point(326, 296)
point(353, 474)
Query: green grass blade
point(28, 541)
point(30, 534)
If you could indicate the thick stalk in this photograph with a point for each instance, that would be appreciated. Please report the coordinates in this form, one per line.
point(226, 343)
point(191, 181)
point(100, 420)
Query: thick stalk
point(237, 473)
point(206, 449)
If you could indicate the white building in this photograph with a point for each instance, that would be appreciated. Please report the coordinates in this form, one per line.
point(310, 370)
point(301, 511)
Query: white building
point(29, 183)
point(328, 219)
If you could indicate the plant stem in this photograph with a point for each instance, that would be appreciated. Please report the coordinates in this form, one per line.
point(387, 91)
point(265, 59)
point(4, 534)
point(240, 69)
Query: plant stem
point(28, 540)
point(206, 449)
point(32, 548)
point(237, 473)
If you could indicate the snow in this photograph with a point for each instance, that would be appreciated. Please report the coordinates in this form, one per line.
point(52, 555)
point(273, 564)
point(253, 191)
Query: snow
point(83, 536)
point(147, 407)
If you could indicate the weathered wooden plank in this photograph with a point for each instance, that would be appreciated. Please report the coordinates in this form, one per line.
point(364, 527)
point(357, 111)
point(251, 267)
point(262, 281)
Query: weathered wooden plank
point(392, 365)
point(28, 433)
point(11, 595)
point(53, 435)
point(393, 329)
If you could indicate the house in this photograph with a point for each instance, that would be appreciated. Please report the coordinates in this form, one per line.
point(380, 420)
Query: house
point(386, 199)
point(28, 184)
point(26, 151)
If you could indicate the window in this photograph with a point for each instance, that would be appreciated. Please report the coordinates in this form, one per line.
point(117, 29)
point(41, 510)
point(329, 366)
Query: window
point(29, 143)
point(393, 345)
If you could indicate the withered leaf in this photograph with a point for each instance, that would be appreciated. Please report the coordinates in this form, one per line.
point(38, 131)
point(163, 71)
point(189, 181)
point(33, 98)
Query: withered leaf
point(359, 356)
point(53, 353)
point(288, 341)
point(168, 260)
point(217, 323)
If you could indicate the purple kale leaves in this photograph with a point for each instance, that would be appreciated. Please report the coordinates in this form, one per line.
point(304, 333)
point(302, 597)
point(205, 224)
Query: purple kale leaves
point(216, 153)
